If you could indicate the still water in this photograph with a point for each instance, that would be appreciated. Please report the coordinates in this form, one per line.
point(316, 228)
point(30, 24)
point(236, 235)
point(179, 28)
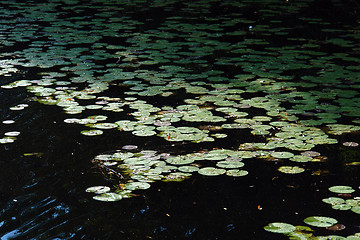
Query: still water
point(250, 63)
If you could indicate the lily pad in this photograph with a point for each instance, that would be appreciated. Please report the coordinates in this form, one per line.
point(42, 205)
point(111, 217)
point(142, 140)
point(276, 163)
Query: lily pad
point(350, 144)
point(279, 227)
point(179, 160)
point(236, 173)
point(8, 121)
point(188, 169)
point(341, 189)
point(291, 170)
point(98, 189)
point(301, 158)
point(282, 154)
point(356, 209)
point(230, 164)
point(334, 200)
point(211, 171)
point(137, 185)
point(108, 197)
point(341, 207)
point(94, 132)
point(12, 134)
point(320, 221)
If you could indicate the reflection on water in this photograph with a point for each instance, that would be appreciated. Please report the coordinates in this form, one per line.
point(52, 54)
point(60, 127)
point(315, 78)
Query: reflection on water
point(24, 217)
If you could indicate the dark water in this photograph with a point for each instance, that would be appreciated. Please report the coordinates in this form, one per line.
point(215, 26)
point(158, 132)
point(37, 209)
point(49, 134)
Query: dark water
point(43, 196)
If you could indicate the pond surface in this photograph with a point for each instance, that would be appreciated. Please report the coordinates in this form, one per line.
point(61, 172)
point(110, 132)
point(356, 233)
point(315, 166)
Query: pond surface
point(179, 120)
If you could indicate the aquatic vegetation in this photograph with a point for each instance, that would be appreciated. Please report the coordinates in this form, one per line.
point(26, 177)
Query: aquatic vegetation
point(305, 232)
point(338, 203)
point(252, 90)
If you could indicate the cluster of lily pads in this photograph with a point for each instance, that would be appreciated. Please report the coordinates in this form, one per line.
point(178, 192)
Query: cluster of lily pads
point(189, 77)
point(337, 203)
point(305, 232)
point(139, 169)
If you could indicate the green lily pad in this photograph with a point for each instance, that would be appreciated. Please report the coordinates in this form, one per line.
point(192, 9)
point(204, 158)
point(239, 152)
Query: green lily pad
point(282, 154)
point(356, 209)
point(320, 221)
point(301, 158)
point(144, 133)
point(179, 160)
point(188, 169)
point(176, 177)
point(334, 200)
point(230, 164)
point(236, 173)
point(98, 189)
point(279, 227)
point(341, 189)
point(108, 197)
point(211, 171)
point(137, 185)
point(291, 170)
point(341, 207)
point(94, 132)
point(104, 125)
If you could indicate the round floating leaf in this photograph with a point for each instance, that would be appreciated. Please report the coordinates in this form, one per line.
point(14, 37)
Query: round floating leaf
point(93, 132)
point(229, 164)
point(144, 133)
point(129, 147)
point(98, 117)
point(353, 202)
point(12, 134)
point(341, 189)
point(104, 125)
point(108, 197)
point(236, 173)
point(356, 209)
point(8, 122)
point(211, 171)
point(282, 154)
point(320, 221)
point(188, 169)
point(279, 227)
point(333, 200)
point(215, 156)
point(122, 155)
point(310, 153)
point(98, 189)
point(124, 193)
point(137, 185)
point(291, 170)
point(176, 177)
point(72, 120)
point(350, 144)
point(301, 158)
point(179, 160)
point(341, 207)
point(7, 140)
